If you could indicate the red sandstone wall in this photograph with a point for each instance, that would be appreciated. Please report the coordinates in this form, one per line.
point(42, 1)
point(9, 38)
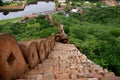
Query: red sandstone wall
point(16, 57)
point(12, 63)
point(29, 51)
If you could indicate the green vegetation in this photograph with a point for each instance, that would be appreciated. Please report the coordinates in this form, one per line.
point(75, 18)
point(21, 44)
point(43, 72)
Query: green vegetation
point(29, 29)
point(97, 33)
point(9, 20)
point(20, 3)
point(30, 1)
point(107, 16)
point(87, 3)
point(1, 3)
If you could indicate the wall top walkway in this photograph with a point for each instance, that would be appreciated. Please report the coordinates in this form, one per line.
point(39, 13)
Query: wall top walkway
point(66, 62)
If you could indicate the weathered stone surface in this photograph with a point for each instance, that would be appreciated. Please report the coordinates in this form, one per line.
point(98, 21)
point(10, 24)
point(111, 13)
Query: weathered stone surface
point(66, 63)
point(29, 51)
point(47, 47)
point(40, 45)
point(12, 63)
point(42, 54)
point(48, 75)
point(39, 77)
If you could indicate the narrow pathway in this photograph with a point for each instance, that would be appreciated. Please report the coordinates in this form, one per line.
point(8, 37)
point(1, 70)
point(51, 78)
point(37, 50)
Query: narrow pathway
point(66, 63)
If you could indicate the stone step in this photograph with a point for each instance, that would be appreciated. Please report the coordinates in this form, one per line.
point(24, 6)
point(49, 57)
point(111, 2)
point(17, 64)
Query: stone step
point(65, 62)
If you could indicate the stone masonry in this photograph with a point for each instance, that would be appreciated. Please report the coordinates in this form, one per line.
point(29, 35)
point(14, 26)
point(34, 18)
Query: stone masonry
point(12, 63)
point(66, 62)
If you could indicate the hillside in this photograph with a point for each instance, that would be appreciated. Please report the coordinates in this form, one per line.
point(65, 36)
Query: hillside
point(29, 29)
point(97, 34)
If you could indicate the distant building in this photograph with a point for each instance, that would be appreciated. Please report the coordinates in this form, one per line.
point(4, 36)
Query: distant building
point(7, 1)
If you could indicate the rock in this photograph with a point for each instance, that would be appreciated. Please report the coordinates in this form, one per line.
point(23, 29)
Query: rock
point(109, 76)
point(93, 79)
point(105, 70)
point(86, 75)
point(73, 77)
point(48, 75)
point(39, 77)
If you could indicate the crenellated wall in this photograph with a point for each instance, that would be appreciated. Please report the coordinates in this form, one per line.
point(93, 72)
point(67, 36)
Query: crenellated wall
point(61, 37)
point(12, 62)
point(17, 57)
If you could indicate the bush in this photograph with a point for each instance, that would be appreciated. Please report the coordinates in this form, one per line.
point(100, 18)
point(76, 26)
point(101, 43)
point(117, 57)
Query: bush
point(31, 29)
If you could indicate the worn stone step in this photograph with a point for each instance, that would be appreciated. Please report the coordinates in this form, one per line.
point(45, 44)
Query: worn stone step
point(65, 62)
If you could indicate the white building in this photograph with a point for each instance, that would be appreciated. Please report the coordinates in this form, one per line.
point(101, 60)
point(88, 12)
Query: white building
point(7, 1)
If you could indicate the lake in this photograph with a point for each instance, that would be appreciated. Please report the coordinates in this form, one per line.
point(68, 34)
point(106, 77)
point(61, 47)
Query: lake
point(41, 6)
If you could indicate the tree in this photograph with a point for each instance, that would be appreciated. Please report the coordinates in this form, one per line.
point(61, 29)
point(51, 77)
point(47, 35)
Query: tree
point(1, 3)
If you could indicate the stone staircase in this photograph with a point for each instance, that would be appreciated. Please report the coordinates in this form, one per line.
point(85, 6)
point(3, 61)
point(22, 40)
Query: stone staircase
point(66, 62)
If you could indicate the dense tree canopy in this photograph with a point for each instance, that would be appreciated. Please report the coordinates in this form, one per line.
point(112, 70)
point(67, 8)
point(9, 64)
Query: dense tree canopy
point(29, 29)
point(1, 3)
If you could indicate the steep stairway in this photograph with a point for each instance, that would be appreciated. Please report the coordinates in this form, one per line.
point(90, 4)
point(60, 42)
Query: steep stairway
point(66, 62)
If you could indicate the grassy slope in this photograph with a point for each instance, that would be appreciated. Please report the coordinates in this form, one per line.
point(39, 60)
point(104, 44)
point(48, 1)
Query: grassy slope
point(30, 1)
point(9, 20)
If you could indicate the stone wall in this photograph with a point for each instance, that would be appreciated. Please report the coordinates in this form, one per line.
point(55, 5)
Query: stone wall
point(17, 57)
point(61, 37)
point(12, 63)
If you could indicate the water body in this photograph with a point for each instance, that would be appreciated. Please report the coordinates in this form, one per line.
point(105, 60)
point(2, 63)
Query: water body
point(41, 6)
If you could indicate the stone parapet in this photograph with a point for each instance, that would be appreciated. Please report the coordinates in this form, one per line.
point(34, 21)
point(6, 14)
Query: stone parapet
point(16, 57)
point(29, 51)
point(12, 63)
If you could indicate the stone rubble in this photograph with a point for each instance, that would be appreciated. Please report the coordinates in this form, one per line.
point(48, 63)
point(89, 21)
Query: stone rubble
point(66, 62)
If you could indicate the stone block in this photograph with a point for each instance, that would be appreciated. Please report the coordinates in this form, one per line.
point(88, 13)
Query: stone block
point(53, 40)
point(42, 53)
point(47, 47)
point(30, 54)
point(109, 76)
point(58, 37)
point(12, 62)
point(40, 49)
point(48, 75)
